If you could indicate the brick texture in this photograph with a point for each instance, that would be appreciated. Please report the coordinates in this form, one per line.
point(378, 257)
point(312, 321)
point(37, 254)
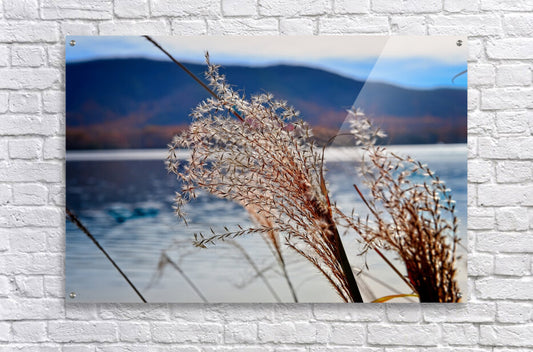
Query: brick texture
point(33, 313)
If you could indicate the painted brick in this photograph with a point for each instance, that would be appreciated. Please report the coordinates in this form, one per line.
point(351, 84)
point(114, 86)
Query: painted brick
point(473, 99)
point(186, 332)
point(63, 9)
point(512, 219)
point(499, 242)
point(78, 348)
point(519, 335)
point(20, 171)
point(513, 121)
point(303, 332)
point(480, 264)
point(505, 288)
point(346, 334)
point(481, 122)
point(29, 286)
point(4, 102)
point(506, 98)
point(54, 286)
point(30, 194)
point(56, 55)
point(21, 9)
point(408, 25)
point(189, 27)
point(6, 194)
point(29, 216)
point(28, 240)
point(33, 263)
point(239, 7)
point(505, 243)
point(245, 312)
point(77, 28)
point(333, 348)
point(461, 6)
point(53, 101)
point(134, 332)
point(133, 311)
point(199, 8)
point(480, 171)
point(512, 265)
point(5, 286)
point(504, 148)
point(353, 25)
point(353, 312)
point(131, 8)
point(25, 148)
point(513, 312)
point(151, 27)
point(80, 311)
point(39, 78)
point(419, 335)
point(297, 26)
point(31, 308)
point(510, 48)
point(408, 6)
point(460, 334)
point(288, 312)
point(397, 313)
point(481, 74)
point(243, 26)
point(351, 6)
point(513, 75)
point(518, 24)
point(476, 48)
point(29, 56)
point(459, 313)
point(290, 8)
point(57, 195)
point(5, 332)
point(464, 25)
point(472, 147)
point(240, 333)
point(77, 331)
point(4, 56)
point(24, 32)
point(22, 125)
point(507, 195)
point(54, 148)
point(515, 5)
point(4, 150)
point(21, 102)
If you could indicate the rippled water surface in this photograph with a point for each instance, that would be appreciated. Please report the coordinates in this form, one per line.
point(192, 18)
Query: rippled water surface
point(125, 199)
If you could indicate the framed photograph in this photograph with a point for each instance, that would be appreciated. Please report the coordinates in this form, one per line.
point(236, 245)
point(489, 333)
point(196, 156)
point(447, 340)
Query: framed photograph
point(266, 169)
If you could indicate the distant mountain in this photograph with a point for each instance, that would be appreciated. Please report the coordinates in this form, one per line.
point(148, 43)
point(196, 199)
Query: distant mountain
point(134, 103)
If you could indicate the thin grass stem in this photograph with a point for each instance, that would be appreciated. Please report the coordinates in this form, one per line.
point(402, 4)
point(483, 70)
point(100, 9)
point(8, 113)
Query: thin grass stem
point(76, 221)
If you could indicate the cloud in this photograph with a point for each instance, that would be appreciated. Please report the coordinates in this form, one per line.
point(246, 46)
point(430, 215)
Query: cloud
point(441, 48)
point(416, 61)
point(264, 48)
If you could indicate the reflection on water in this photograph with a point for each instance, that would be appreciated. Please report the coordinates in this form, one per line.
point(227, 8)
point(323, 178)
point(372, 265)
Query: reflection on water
point(127, 205)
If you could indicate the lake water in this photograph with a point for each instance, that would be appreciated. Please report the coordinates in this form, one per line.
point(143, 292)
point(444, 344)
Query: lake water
point(125, 199)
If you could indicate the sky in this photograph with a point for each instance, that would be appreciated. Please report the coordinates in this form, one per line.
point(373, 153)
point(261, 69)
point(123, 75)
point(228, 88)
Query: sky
point(422, 62)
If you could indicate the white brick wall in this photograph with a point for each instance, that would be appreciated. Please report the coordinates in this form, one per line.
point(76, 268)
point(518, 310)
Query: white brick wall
point(33, 315)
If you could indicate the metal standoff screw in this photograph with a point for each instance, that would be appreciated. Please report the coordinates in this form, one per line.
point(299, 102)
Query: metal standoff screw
point(72, 43)
point(72, 295)
point(459, 42)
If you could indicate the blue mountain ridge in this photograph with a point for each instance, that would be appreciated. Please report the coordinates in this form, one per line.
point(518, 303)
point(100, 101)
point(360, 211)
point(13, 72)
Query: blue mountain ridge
point(118, 103)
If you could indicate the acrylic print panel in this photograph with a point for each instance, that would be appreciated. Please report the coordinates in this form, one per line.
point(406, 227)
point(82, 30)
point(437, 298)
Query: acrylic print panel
point(206, 186)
